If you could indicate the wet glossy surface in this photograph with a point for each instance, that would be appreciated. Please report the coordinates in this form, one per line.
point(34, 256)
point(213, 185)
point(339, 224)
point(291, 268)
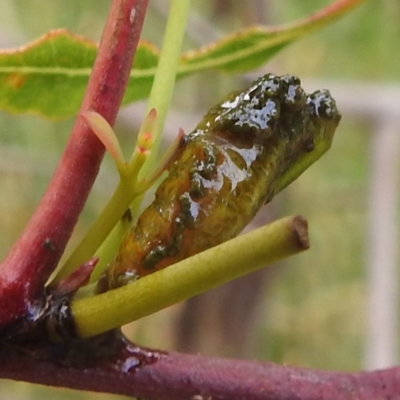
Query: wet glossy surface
point(239, 156)
point(132, 357)
point(109, 351)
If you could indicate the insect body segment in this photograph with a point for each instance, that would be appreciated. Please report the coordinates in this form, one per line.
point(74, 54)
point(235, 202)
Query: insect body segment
point(245, 150)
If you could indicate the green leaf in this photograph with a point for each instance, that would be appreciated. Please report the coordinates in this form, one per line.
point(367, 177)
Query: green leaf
point(252, 47)
point(48, 76)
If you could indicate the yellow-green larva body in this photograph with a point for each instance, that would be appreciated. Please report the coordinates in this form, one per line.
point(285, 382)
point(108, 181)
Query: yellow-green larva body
point(244, 151)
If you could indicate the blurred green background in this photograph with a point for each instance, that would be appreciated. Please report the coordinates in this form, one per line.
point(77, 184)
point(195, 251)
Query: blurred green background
point(308, 311)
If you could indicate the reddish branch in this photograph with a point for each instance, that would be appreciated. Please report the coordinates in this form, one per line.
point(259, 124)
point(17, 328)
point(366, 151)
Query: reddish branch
point(337, 7)
point(171, 376)
point(38, 250)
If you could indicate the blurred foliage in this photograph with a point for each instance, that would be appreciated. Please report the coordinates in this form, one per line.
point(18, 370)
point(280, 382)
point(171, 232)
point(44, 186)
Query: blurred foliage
point(313, 313)
point(360, 46)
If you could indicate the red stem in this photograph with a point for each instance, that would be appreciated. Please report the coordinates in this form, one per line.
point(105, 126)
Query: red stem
point(338, 7)
point(182, 376)
point(36, 253)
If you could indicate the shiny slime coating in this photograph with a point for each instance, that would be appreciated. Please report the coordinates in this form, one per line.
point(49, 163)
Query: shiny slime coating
point(240, 155)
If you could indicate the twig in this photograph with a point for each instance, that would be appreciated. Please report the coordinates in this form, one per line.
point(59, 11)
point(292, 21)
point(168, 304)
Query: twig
point(153, 375)
point(191, 276)
point(38, 250)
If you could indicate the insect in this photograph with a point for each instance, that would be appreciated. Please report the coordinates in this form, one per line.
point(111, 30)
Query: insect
point(245, 150)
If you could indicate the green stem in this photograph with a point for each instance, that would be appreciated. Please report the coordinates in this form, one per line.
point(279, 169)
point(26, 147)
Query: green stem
point(190, 277)
point(164, 80)
point(107, 249)
point(100, 229)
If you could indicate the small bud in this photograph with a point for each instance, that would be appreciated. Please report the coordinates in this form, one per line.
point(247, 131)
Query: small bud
point(148, 130)
point(102, 129)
